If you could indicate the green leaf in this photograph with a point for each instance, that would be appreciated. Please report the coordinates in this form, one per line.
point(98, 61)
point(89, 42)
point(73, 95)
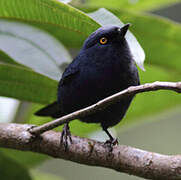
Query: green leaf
point(4, 58)
point(9, 169)
point(24, 84)
point(70, 25)
point(143, 5)
point(25, 159)
point(33, 48)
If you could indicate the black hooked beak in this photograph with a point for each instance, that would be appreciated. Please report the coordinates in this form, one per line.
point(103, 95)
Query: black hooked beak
point(124, 30)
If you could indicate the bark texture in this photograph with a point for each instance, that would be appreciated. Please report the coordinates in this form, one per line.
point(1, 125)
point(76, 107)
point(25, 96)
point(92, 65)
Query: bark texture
point(123, 158)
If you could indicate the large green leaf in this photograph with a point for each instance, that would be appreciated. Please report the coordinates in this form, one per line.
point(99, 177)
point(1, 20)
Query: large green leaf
point(143, 5)
point(66, 22)
point(24, 84)
point(72, 26)
point(33, 48)
point(6, 59)
point(9, 169)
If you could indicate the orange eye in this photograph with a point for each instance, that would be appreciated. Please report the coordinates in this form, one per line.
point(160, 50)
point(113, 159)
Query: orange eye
point(103, 40)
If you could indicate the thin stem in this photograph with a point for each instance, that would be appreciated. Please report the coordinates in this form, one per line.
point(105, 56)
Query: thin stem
point(106, 102)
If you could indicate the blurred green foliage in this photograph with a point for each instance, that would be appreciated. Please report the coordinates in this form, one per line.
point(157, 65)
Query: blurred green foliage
point(10, 169)
point(142, 5)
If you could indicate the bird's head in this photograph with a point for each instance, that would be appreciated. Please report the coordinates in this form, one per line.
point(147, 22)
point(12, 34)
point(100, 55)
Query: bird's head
point(106, 36)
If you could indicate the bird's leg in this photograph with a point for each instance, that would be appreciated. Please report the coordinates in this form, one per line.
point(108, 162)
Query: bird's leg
point(65, 136)
point(111, 142)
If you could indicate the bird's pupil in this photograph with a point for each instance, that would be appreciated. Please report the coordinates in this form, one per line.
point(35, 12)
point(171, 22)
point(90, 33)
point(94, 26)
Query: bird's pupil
point(103, 40)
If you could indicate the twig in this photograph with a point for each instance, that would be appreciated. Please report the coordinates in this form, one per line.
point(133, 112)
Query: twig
point(106, 102)
point(123, 158)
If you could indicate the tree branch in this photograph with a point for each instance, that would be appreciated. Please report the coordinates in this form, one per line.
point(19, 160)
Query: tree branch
point(106, 102)
point(123, 158)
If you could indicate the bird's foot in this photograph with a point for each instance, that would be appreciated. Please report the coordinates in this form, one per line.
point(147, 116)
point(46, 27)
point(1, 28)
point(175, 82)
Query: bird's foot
point(111, 143)
point(65, 137)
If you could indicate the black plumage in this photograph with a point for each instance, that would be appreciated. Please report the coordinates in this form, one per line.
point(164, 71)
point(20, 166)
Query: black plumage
point(104, 66)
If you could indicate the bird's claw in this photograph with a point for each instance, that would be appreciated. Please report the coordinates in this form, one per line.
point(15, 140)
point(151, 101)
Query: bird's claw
point(111, 143)
point(65, 137)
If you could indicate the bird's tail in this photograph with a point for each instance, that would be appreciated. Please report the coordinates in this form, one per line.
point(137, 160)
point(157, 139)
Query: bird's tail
point(52, 110)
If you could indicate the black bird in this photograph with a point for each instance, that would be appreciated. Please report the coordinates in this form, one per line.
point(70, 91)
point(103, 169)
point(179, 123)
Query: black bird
point(104, 66)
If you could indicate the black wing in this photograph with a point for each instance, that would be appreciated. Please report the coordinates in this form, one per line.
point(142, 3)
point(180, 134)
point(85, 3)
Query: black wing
point(68, 75)
point(52, 110)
